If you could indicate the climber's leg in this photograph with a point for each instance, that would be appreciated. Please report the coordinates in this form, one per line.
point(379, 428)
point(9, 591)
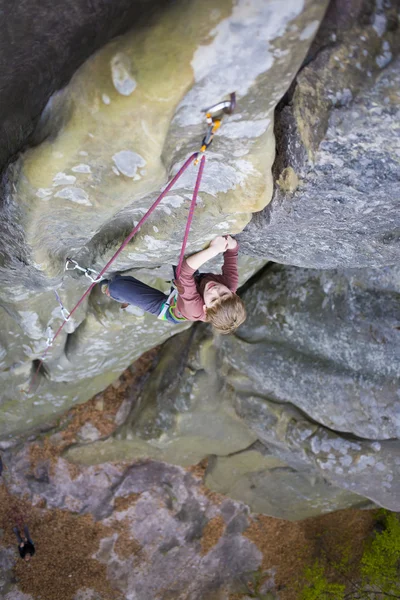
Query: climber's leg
point(27, 535)
point(18, 535)
point(129, 289)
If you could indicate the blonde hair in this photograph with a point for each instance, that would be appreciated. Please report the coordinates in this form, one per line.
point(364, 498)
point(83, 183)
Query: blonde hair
point(227, 314)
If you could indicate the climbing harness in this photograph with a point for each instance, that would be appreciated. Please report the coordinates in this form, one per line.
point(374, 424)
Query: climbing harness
point(169, 307)
point(168, 303)
point(214, 116)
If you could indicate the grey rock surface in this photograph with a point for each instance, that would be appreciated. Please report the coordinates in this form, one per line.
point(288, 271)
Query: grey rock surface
point(329, 400)
point(337, 170)
point(165, 513)
point(63, 35)
point(266, 484)
point(106, 146)
point(6, 565)
point(304, 396)
point(188, 410)
point(328, 343)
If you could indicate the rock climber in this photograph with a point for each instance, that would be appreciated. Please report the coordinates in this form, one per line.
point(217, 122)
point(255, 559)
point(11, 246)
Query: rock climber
point(201, 297)
point(26, 547)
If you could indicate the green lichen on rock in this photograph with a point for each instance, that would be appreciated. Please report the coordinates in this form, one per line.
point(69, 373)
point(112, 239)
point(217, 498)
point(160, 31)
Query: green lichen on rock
point(288, 180)
point(106, 146)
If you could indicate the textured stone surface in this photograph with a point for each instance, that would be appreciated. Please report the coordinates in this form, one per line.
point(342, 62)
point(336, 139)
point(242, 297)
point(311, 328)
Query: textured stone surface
point(365, 467)
point(149, 530)
point(270, 486)
point(326, 342)
point(325, 396)
point(338, 132)
point(313, 374)
point(110, 141)
point(159, 512)
point(99, 343)
point(184, 411)
point(187, 412)
point(42, 43)
point(305, 396)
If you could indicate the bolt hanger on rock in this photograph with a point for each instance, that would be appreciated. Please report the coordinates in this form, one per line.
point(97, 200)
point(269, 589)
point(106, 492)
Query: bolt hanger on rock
point(214, 116)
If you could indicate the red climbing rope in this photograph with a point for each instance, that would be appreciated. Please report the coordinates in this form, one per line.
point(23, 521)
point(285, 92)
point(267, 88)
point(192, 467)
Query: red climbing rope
point(191, 159)
point(190, 216)
point(213, 116)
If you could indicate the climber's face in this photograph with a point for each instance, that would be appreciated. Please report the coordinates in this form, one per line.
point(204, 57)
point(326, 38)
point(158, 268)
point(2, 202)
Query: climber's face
point(214, 292)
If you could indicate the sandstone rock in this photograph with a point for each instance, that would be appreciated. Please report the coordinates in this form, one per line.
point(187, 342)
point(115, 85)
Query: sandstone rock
point(187, 412)
point(109, 142)
point(324, 395)
point(270, 486)
point(305, 395)
point(7, 561)
point(312, 373)
point(182, 410)
point(364, 467)
point(338, 129)
point(171, 125)
point(326, 342)
point(89, 433)
point(42, 45)
point(154, 519)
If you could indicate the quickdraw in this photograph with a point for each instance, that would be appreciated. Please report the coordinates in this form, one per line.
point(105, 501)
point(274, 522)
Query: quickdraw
point(86, 271)
point(214, 116)
point(66, 315)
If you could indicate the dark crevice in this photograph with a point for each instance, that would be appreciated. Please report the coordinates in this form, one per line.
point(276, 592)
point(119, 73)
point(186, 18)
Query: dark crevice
point(254, 279)
point(69, 342)
point(39, 373)
point(346, 435)
point(64, 35)
point(39, 368)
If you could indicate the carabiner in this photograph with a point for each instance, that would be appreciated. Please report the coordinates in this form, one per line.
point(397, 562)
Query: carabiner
point(70, 260)
point(65, 314)
point(87, 271)
point(214, 116)
point(226, 107)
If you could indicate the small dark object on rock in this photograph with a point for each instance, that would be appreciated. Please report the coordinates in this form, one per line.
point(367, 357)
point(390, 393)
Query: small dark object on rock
point(380, 527)
point(26, 546)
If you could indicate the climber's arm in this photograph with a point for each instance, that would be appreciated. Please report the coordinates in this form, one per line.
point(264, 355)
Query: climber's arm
point(218, 245)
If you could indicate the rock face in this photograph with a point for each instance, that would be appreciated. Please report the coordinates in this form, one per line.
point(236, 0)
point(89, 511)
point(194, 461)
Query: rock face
point(305, 396)
point(42, 44)
point(156, 532)
point(326, 398)
point(337, 169)
point(110, 141)
point(147, 530)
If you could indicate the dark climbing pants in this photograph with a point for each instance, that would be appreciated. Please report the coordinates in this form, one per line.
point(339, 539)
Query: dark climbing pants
point(18, 535)
point(129, 289)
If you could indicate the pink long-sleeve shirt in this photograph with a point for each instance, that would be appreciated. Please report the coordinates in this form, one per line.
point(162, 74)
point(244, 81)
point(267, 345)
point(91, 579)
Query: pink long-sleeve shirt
point(190, 299)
